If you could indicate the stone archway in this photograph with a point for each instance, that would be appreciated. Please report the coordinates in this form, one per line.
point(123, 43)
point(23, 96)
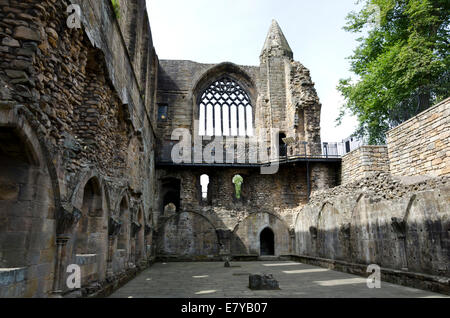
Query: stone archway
point(27, 212)
point(188, 235)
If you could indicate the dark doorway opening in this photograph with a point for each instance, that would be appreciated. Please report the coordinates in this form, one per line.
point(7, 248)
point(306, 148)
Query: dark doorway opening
point(171, 193)
point(347, 147)
point(267, 241)
point(283, 146)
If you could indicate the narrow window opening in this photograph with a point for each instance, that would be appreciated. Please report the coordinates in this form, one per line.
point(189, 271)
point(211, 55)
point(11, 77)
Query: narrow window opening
point(238, 181)
point(171, 193)
point(204, 182)
point(282, 144)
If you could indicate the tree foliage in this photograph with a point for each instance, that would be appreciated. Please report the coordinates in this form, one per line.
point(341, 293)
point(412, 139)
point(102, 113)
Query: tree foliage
point(401, 64)
point(116, 6)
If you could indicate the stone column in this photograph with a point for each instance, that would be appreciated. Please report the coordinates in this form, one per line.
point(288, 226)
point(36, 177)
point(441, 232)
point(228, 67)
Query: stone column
point(66, 220)
point(135, 227)
point(61, 243)
point(109, 267)
point(114, 228)
point(147, 242)
point(292, 246)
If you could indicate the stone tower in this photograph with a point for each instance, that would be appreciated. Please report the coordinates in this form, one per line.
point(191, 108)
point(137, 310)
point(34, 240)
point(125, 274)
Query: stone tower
point(288, 100)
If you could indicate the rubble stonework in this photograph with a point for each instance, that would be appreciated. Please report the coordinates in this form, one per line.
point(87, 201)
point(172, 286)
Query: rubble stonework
point(396, 223)
point(71, 110)
point(86, 176)
point(364, 161)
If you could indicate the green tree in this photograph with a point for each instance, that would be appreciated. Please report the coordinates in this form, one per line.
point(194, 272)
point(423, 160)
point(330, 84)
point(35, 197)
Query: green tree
point(116, 6)
point(401, 64)
point(238, 181)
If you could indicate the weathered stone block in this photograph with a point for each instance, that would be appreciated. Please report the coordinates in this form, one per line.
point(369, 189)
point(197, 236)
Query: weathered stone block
point(263, 282)
point(24, 33)
point(10, 42)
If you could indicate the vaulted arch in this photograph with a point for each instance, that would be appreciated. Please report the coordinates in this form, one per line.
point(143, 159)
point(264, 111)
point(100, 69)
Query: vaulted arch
point(29, 204)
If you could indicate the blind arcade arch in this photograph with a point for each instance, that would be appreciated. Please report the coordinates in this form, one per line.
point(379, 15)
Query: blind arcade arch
point(225, 109)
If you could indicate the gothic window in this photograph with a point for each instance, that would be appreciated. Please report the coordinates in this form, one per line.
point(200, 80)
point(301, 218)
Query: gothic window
point(225, 109)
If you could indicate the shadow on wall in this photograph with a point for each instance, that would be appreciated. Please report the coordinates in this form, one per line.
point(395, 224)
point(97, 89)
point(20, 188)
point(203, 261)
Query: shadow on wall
point(190, 235)
point(196, 217)
point(409, 233)
point(27, 214)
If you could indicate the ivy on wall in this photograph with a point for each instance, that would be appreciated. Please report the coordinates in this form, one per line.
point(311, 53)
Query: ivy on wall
point(116, 7)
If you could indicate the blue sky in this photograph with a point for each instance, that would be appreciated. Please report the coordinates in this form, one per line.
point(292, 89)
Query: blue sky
point(214, 31)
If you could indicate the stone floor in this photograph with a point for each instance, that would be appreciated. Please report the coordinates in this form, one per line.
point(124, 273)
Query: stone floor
point(211, 280)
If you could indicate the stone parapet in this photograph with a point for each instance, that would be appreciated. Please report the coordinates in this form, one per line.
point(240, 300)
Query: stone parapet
point(421, 145)
point(364, 161)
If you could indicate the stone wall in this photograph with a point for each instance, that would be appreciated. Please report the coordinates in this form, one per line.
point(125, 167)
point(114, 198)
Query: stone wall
point(244, 218)
point(421, 146)
point(284, 99)
point(380, 220)
point(282, 94)
point(178, 88)
point(81, 102)
point(363, 161)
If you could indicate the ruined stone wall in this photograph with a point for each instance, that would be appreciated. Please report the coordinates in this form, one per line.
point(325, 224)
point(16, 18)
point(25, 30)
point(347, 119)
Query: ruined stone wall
point(364, 161)
point(283, 99)
point(282, 93)
point(380, 220)
point(303, 110)
point(421, 145)
point(266, 201)
point(178, 86)
point(90, 116)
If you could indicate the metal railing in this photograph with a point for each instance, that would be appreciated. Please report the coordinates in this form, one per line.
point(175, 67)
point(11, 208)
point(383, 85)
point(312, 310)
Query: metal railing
point(285, 153)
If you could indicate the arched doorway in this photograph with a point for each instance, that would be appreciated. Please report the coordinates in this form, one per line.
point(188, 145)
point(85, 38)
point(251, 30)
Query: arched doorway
point(204, 183)
point(171, 193)
point(89, 227)
point(267, 242)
